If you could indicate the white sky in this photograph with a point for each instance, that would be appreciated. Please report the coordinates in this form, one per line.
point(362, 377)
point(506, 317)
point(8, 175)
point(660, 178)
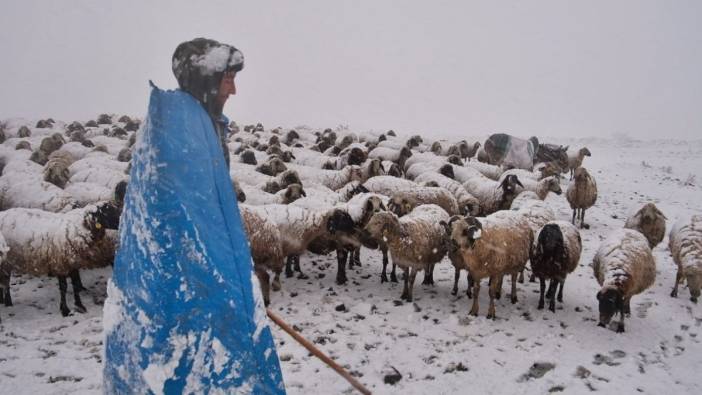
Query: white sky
point(453, 68)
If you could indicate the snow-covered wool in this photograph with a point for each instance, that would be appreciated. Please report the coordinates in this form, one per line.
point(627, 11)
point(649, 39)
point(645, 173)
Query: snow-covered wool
point(686, 248)
point(248, 157)
point(467, 203)
point(77, 150)
point(392, 169)
point(371, 168)
point(581, 194)
point(19, 191)
point(623, 266)
point(394, 155)
point(24, 167)
point(575, 159)
point(404, 202)
point(124, 155)
point(455, 257)
point(417, 169)
point(354, 154)
point(555, 254)
point(492, 247)
point(650, 221)
point(257, 197)
point(105, 176)
point(282, 181)
point(266, 245)
point(493, 195)
point(490, 171)
point(523, 175)
point(415, 241)
point(56, 169)
point(97, 160)
point(332, 179)
point(86, 193)
point(388, 185)
point(460, 173)
point(45, 243)
point(424, 157)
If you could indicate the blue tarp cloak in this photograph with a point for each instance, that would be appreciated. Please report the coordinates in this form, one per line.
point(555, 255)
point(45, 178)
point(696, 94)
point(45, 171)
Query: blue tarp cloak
point(184, 312)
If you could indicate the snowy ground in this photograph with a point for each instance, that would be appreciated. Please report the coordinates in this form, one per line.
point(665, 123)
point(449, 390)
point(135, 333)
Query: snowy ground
point(433, 343)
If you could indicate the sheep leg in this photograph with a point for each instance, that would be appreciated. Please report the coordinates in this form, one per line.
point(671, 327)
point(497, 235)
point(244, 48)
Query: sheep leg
point(357, 256)
point(275, 285)
point(492, 291)
point(678, 279)
point(627, 307)
point(412, 276)
point(428, 275)
point(513, 297)
point(264, 280)
point(62, 288)
point(393, 275)
point(560, 290)
point(542, 288)
point(476, 291)
point(574, 211)
point(551, 294)
point(77, 287)
point(620, 326)
point(532, 278)
point(469, 292)
point(383, 275)
point(582, 219)
point(288, 266)
point(296, 266)
point(456, 277)
point(341, 266)
point(405, 293)
point(521, 276)
point(5, 296)
point(498, 292)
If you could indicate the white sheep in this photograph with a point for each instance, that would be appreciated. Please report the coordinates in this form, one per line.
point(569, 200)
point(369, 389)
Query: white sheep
point(415, 241)
point(490, 171)
point(493, 195)
point(540, 187)
point(467, 203)
point(686, 248)
point(623, 266)
point(581, 194)
point(43, 243)
point(18, 191)
point(575, 159)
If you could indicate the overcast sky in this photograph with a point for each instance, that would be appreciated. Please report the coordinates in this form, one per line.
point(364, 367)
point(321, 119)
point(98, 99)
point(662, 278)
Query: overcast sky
point(453, 68)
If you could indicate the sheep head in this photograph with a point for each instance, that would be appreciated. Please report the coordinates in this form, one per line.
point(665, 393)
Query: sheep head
point(382, 138)
point(401, 204)
point(465, 232)
point(248, 157)
point(584, 152)
point(100, 217)
point(289, 177)
point(355, 173)
point(554, 185)
point(455, 160)
point(469, 206)
point(340, 221)
point(449, 244)
point(373, 205)
point(611, 301)
point(649, 214)
point(356, 156)
point(693, 276)
point(549, 169)
point(394, 171)
point(436, 147)
point(581, 175)
point(382, 224)
point(274, 140)
point(509, 184)
point(293, 192)
point(375, 168)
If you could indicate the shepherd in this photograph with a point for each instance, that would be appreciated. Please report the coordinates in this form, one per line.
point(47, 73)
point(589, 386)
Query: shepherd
point(184, 312)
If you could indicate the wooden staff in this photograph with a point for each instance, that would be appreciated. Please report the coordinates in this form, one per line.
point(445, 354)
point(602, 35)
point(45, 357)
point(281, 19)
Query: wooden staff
point(317, 353)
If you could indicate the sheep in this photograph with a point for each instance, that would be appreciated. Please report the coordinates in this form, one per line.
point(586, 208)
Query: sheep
point(482, 156)
point(298, 227)
point(455, 257)
point(392, 169)
point(272, 167)
point(490, 171)
point(650, 221)
point(555, 254)
point(458, 173)
point(492, 247)
point(403, 202)
point(124, 155)
point(575, 160)
point(332, 179)
point(282, 181)
point(541, 187)
point(623, 266)
point(85, 193)
point(467, 203)
point(397, 156)
point(371, 168)
point(43, 243)
point(257, 197)
point(686, 248)
point(354, 154)
point(23, 145)
point(56, 169)
point(424, 157)
point(388, 185)
point(493, 195)
point(581, 194)
point(248, 157)
point(16, 191)
point(266, 243)
point(415, 241)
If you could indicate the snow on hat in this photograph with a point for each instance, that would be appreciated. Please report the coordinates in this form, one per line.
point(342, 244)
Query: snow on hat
point(199, 66)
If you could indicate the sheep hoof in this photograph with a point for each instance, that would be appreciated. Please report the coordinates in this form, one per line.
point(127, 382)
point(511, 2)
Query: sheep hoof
point(288, 273)
point(65, 311)
point(552, 307)
point(541, 305)
point(473, 312)
point(275, 286)
point(532, 278)
point(498, 295)
point(454, 291)
point(393, 278)
point(303, 276)
point(341, 281)
point(80, 309)
point(601, 325)
point(560, 298)
point(674, 294)
point(266, 302)
point(693, 300)
point(383, 278)
point(586, 226)
point(513, 299)
point(491, 316)
point(620, 328)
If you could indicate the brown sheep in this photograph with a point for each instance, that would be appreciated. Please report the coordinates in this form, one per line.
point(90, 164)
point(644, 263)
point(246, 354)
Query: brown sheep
point(686, 248)
point(650, 221)
point(581, 194)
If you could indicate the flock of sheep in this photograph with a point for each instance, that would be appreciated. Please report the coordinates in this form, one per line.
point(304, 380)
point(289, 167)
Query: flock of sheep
point(322, 192)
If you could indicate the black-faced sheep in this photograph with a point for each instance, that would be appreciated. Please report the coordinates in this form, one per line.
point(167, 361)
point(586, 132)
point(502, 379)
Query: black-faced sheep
point(555, 254)
point(650, 221)
point(43, 243)
point(493, 195)
point(581, 194)
point(623, 266)
point(686, 248)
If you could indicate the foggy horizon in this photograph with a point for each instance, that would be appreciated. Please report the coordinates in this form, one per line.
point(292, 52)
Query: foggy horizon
point(451, 69)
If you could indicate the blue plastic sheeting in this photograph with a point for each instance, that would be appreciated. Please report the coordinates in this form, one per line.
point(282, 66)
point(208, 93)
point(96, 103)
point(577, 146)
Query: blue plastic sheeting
point(184, 312)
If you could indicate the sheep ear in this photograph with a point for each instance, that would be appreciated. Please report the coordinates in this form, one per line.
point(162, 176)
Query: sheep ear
point(599, 295)
point(659, 212)
point(516, 180)
point(382, 168)
point(303, 193)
